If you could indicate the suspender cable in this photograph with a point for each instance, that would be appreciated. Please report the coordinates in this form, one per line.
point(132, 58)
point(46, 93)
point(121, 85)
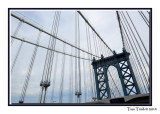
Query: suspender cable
point(111, 81)
point(137, 33)
point(29, 71)
point(98, 52)
point(44, 74)
point(94, 83)
point(114, 83)
point(71, 79)
point(53, 43)
point(104, 51)
point(52, 54)
point(54, 77)
point(87, 34)
point(85, 85)
point(90, 50)
point(45, 92)
point(76, 82)
point(45, 82)
point(89, 42)
point(79, 62)
point(62, 77)
point(16, 57)
point(100, 48)
point(16, 31)
point(50, 40)
point(95, 45)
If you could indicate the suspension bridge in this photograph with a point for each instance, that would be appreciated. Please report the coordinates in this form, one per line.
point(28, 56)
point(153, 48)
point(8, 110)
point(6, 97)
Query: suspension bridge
point(67, 61)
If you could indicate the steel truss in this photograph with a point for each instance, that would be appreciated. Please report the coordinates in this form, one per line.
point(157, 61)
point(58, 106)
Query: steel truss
point(122, 64)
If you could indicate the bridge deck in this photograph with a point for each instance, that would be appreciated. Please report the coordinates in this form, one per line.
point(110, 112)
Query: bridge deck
point(131, 99)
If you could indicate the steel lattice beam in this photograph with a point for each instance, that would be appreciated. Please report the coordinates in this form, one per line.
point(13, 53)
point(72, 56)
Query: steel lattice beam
point(125, 72)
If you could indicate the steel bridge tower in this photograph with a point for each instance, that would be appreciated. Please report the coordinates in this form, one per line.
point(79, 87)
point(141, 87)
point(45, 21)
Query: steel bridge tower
point(122, 64)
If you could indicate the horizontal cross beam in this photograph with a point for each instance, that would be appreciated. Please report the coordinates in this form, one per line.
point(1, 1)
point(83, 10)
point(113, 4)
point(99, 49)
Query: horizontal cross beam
point(116, 57)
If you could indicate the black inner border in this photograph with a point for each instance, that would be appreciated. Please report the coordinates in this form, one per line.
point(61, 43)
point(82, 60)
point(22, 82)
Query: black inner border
point(81, 104)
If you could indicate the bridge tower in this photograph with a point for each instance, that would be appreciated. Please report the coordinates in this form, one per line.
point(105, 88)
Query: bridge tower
point(122, 64)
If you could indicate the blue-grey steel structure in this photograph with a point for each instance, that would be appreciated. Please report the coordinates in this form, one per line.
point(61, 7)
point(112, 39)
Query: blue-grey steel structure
point(125, 72)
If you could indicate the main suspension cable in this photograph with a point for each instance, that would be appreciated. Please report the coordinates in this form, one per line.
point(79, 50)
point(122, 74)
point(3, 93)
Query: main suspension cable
point(28, 42)
point(120, 28)
point(94, 30)
point(50, 34)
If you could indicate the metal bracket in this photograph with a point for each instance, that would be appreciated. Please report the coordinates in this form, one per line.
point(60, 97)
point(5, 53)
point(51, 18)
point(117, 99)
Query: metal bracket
point(45, 84)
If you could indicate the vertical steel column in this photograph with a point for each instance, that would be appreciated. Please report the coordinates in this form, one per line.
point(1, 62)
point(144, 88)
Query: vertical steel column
point(106, 80)
point(121, 78)
point(96, 79)
point(101, 78)
point(133, 77)
point(97, 84)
